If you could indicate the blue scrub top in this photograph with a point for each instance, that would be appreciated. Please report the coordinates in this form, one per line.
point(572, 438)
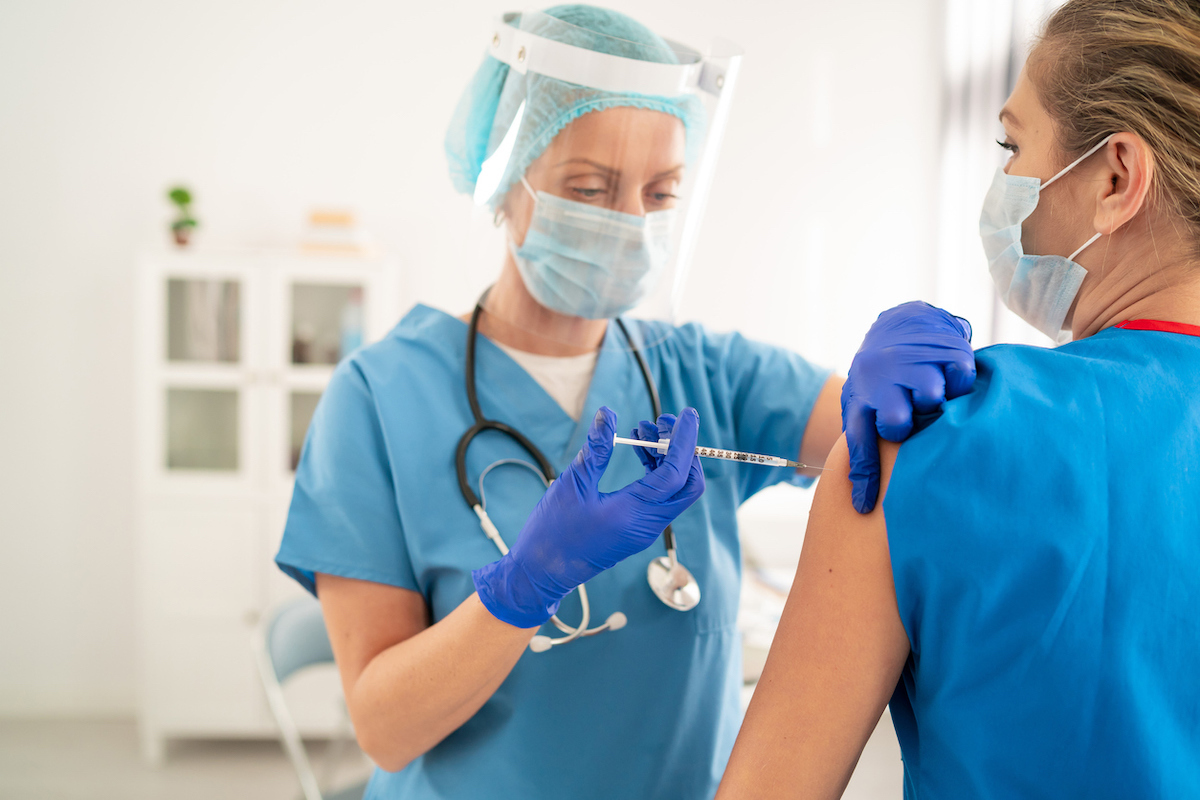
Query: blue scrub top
point(650, 710)
point(1045, 543)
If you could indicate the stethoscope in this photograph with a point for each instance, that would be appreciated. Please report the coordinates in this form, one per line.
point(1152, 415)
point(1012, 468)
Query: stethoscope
point(670, 581)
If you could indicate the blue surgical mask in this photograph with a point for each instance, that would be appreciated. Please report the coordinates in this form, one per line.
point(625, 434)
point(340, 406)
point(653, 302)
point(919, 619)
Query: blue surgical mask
point(1038, 289)
point(591, 262)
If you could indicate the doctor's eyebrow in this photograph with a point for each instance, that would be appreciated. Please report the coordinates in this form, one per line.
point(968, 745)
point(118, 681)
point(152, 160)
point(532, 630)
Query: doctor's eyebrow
point(590, 163)
point(616, 172)
point(1012, 118)
point(667, 173)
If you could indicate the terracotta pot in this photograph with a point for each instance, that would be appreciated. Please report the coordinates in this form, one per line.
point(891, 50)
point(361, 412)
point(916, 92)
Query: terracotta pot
point(182, 235)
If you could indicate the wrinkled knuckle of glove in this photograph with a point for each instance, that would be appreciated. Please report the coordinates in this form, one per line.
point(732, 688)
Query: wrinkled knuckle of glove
point(872, 360)
point(673, 478)
point(897, 416)
point(929, 385)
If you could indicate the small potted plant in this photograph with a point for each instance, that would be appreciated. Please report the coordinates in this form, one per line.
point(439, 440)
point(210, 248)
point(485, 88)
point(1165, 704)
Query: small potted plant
point(184, 222)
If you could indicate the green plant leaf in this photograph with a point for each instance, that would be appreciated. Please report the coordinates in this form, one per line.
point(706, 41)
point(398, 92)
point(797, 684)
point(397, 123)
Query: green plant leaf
point(180, 196)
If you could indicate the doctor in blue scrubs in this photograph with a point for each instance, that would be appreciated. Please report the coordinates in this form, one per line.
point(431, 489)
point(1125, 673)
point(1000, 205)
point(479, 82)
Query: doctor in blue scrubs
point(468, 673)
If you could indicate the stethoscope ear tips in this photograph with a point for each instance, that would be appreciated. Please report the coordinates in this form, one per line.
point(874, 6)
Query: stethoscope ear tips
point(616, 621)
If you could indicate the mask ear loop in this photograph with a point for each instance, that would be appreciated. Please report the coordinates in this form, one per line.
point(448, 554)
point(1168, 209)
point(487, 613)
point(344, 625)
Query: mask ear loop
point(512, 246)
point(529, 188)
point(499, 217)
point(1078, 161)
point(1067, 169)
point(1085, 246)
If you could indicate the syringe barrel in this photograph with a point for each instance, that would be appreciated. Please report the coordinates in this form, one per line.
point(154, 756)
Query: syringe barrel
point(735, 455)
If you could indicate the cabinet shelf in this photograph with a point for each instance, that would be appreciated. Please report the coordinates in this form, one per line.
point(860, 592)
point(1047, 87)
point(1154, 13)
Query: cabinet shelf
point(307, 376)
point(204, 375)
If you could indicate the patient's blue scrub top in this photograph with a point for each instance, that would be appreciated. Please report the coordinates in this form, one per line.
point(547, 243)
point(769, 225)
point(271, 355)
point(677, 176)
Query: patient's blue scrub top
point(650, 710)
point(1045, 544)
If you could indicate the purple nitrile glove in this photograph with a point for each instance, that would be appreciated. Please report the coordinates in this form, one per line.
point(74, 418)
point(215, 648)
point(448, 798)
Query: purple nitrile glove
point(915, 357)
point(576, 531)
point(647, 431)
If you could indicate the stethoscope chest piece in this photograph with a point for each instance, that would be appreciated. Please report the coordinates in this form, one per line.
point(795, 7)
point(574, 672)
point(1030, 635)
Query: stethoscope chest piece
point(672, 583)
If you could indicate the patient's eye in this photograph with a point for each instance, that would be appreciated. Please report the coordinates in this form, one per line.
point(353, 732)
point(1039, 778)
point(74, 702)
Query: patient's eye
point(1009, 146)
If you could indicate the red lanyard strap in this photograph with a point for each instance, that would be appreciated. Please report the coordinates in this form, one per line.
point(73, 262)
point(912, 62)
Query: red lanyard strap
point(1159, 325)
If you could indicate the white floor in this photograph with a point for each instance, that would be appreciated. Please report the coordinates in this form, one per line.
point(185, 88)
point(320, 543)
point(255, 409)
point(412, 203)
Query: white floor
point(100, 761)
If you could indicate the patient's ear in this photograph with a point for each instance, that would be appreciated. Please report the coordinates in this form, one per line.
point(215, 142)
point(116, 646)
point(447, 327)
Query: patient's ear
point(1123, 181)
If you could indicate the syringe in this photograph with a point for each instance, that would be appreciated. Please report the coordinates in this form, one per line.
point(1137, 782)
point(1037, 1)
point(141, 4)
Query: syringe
point(713, 452)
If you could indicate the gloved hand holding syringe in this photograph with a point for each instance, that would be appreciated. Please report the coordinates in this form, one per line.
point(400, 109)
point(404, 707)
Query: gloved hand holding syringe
point(713, 452)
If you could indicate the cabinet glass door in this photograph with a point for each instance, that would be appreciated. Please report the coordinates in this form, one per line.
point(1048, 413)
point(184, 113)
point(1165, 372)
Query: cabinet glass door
point(327, 322)
point(303, 404)
point(202, 429)
point(203, 320)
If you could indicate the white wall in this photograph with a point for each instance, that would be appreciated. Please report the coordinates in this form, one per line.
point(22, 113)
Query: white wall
point(821, 215)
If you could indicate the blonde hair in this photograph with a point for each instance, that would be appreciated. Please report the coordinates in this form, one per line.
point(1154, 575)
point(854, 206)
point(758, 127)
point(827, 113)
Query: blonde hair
point(1106, 66)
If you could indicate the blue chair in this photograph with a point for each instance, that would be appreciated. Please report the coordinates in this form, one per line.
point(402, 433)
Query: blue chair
point(291, 638)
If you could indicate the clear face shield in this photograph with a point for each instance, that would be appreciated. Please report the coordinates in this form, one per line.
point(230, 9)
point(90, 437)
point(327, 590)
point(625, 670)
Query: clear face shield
point(598, 162)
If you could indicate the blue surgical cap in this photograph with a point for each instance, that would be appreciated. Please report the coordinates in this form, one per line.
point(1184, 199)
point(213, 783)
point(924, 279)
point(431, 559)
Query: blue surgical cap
point(490, 103)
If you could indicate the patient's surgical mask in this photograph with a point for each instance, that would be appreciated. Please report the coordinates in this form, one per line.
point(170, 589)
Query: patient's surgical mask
point(1038, 289)
point(592, 262)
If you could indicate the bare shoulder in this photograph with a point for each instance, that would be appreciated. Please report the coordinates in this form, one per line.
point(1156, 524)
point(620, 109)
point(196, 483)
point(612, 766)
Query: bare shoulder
point(833, 516)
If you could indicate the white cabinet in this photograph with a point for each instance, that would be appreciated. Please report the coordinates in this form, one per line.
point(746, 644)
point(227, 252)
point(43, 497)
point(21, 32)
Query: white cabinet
point(234, 349)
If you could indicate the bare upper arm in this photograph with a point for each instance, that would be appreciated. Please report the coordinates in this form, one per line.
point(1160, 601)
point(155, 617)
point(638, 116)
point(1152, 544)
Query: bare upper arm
point(824, 424)
point(836, 658)
point(365, 618)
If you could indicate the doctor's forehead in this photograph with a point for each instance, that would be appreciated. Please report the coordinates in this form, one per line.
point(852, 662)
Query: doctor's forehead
point(633, 141)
